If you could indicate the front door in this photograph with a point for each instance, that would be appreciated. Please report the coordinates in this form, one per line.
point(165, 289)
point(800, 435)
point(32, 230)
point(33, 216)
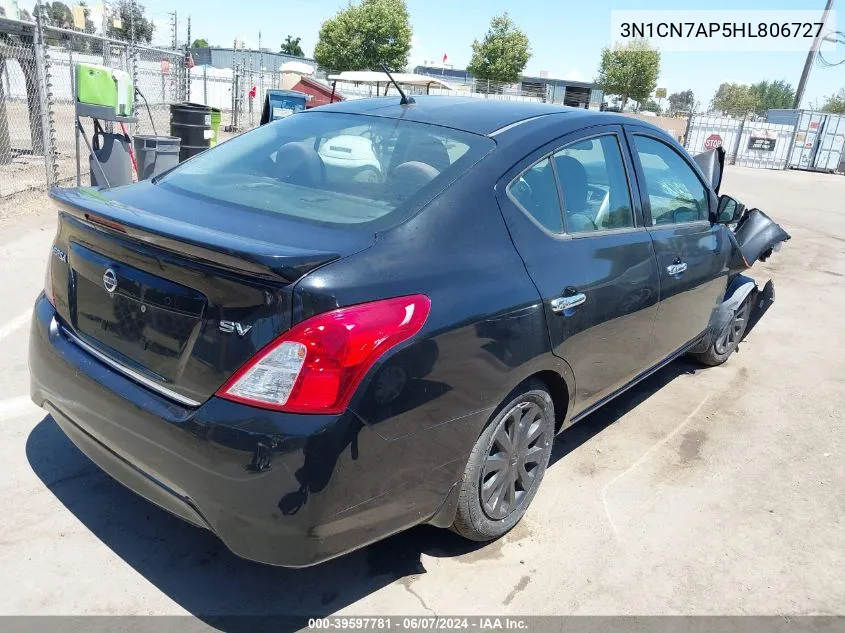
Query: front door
point(579, 230)
point(692, 253)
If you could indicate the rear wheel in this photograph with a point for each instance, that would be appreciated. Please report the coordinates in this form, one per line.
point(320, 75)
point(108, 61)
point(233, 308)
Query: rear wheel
point(728, 339)
point(506, 466)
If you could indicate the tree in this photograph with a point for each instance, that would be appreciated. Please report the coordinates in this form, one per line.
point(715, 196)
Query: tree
point(126, 11)
point(26, 16)
point(364, 36)
point(89, 23)
point(681, 101)
point(835, 103)
point(650, 105)
point(502, 54)
point(771, 95)
point(200, 43)
point(629, 70)
point(291, 46)
point(758, 98)
point(57, 14)
point(735, 98)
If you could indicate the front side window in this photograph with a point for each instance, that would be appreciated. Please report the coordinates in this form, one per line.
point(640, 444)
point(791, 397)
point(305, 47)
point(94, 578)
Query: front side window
point(332, 168)
point(594, 186)
point(675, 193)
point(536, 192)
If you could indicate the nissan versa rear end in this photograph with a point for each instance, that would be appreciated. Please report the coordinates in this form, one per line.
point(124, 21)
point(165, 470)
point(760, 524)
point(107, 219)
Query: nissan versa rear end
point(306, 353)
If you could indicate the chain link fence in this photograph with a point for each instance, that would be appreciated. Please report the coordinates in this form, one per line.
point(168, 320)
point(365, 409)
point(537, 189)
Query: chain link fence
point(37, 98)
point(38, 117)
point(23, 148)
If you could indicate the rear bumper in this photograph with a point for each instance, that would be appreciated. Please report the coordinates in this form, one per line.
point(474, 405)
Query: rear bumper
point(289, 490)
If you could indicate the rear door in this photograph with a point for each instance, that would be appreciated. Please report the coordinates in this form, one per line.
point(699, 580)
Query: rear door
point(692, 253)
point(572, 211)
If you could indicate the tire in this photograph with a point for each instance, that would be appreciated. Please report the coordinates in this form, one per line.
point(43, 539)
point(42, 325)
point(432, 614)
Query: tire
point(483, 514)
point(728, 339)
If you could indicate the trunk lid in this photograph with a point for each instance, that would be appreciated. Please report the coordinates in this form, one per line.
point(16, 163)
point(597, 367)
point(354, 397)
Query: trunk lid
point(176, 292)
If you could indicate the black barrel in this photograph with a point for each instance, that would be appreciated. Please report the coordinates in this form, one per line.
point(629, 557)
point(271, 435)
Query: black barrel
point(191, 122)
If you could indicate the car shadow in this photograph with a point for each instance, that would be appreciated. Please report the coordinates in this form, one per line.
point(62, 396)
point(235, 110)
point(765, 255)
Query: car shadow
point(579, 433)
point(194, 569)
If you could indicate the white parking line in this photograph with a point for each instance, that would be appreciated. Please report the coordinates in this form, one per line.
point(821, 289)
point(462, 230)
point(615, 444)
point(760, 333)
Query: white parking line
point(14, 324)
point(18, 405)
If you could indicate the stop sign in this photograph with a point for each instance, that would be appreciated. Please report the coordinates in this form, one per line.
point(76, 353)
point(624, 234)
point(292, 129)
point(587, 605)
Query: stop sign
point(713, 141)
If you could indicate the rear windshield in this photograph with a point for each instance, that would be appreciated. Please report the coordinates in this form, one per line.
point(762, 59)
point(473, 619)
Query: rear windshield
point(331, 168)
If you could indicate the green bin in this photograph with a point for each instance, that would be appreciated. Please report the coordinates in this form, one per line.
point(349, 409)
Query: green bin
point(215, 125)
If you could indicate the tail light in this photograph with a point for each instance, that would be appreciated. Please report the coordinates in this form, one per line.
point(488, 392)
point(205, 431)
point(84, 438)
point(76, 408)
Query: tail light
point(317, 365)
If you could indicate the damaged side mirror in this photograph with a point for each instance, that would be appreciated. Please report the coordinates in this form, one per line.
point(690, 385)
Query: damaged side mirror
point(729, 210)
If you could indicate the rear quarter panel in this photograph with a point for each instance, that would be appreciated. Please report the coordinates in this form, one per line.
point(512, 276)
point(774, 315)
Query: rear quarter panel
point(486, 331)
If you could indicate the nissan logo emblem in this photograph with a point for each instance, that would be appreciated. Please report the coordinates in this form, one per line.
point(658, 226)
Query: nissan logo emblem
point(109, 280)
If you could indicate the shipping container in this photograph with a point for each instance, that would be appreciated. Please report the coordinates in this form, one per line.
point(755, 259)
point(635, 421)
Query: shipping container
point(818, 140)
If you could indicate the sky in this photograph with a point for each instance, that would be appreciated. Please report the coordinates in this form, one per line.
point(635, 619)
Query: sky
point(566, 36)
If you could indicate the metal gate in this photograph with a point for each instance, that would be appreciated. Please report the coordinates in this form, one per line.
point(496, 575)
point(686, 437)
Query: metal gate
point(819, 141)
point(747, 143)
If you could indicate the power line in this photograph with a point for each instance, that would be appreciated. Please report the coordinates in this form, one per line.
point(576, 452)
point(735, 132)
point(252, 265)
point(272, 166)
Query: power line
point(838, 38)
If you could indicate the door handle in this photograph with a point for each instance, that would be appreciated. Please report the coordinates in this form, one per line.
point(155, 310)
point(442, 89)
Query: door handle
point(561, 304)
point(677, 268)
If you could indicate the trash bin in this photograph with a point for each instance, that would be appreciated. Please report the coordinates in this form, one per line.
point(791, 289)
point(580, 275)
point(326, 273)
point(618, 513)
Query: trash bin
point(155, 154)
point(191, 123)
point(111, 151)
point(281, 103)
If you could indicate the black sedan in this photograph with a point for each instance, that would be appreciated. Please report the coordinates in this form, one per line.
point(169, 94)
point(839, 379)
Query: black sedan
point(376, 314)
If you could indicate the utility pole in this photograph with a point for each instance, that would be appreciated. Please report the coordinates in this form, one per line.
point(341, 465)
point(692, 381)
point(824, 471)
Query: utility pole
point(133, 54)
point(811, 58)
point(188, 68)
point(105, 31)
point(249, 88)
point(174, 30)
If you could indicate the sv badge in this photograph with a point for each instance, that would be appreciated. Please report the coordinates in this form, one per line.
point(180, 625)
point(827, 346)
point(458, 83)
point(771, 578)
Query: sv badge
point(230, 327)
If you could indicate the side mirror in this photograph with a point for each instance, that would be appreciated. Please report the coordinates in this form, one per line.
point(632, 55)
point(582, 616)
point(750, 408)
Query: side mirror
point(729, 210)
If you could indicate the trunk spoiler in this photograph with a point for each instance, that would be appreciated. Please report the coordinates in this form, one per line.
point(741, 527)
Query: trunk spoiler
point(242, 255)
point(712, 163)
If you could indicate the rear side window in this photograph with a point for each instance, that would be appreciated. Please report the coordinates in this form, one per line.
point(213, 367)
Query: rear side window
point(332, 168)
point(675, 193)
point(536, 192)
point(594, 186)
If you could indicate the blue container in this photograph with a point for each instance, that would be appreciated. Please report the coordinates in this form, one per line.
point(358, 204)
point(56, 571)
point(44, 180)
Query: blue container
point(281, 103)
point(787, 117)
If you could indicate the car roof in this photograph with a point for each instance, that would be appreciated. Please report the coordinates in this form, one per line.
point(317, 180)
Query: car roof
point(478, 116)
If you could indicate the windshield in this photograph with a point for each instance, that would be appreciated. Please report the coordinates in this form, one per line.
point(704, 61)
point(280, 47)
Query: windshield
point(330, 168)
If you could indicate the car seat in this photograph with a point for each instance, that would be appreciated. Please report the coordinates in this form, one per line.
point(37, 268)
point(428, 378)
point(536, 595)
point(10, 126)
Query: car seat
point(573, 184)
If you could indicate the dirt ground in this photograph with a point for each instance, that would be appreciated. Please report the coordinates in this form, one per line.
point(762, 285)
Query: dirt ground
point(701, 491)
